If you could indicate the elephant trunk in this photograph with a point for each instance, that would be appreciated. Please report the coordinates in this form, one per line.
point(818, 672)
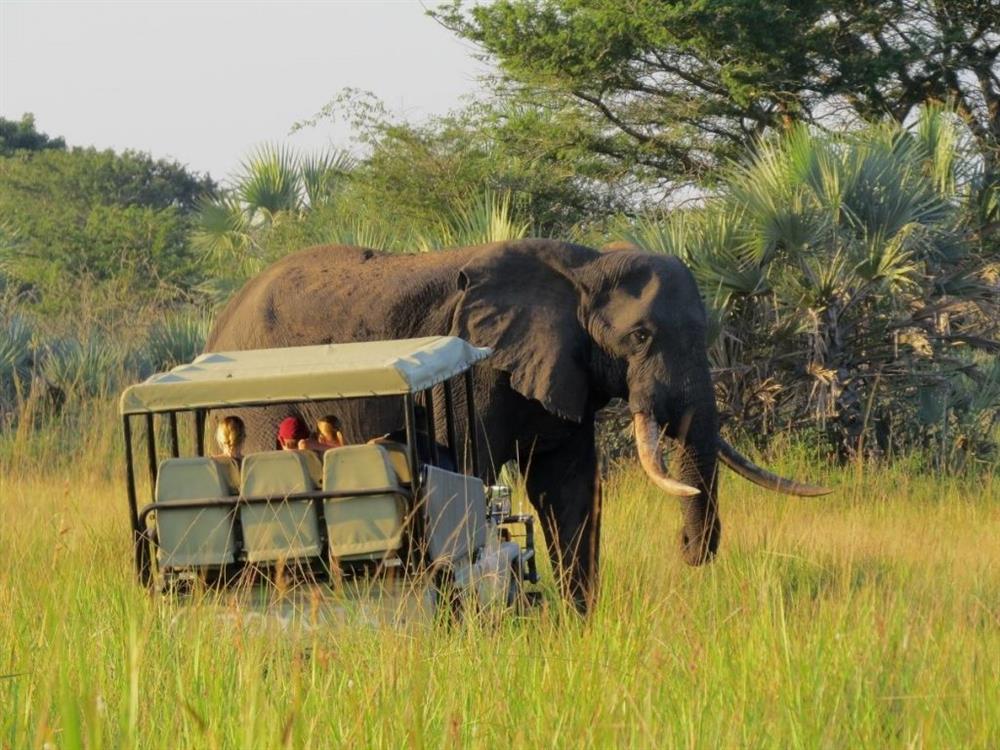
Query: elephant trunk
point(702, 530)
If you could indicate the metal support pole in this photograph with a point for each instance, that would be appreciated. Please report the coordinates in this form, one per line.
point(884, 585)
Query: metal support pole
point(470, 404)
point(416, 544)
point(449, 420)
point(151, 453)
point(199, 431)
point(411, 440)
point(133, 506)
point(174, 441)
point(194, 430)
point(431, 436)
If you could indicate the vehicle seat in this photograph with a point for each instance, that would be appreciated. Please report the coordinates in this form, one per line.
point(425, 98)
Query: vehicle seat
point(454, 507)
point(362, 526)
point(282, 529)
point(398, 458)
point(195, 536)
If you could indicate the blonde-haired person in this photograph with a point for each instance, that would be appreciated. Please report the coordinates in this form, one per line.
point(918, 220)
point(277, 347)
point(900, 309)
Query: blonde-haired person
point(230, 435)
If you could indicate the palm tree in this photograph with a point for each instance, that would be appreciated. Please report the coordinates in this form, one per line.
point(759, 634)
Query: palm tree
point(489, 217)
point(274, 185)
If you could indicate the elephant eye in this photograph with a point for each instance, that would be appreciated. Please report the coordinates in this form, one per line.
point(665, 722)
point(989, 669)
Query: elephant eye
point(639, 336)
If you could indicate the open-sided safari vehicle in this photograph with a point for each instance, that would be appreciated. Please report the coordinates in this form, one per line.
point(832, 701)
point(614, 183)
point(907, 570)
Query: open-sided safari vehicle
point(356, 512)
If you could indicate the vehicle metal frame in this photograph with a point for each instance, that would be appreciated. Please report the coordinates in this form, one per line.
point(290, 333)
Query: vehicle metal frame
point(144, 541)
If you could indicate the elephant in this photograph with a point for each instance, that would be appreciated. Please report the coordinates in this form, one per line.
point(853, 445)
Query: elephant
point(571, 328)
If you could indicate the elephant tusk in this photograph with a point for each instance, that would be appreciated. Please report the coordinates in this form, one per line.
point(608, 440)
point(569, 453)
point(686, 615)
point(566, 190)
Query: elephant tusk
point(751, 471)
point(647, 442)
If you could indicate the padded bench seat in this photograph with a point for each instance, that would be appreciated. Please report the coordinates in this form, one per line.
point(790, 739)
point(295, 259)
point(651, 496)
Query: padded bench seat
point(282, 529)
point(398, 457)
point(195, 537)
point(365, 526)
point(368, 526)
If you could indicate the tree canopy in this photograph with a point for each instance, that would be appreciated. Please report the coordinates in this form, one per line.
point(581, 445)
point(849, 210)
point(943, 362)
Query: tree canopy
point(82, 216)
point(23, 136)
point(671, 89)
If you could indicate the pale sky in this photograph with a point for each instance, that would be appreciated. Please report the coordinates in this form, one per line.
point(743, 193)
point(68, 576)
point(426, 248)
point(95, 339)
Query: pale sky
point(205, 82)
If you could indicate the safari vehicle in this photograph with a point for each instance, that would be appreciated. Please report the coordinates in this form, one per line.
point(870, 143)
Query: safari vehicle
point(359, 511)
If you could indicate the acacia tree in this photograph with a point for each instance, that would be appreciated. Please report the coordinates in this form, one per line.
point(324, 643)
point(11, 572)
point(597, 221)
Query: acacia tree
point(669, 89)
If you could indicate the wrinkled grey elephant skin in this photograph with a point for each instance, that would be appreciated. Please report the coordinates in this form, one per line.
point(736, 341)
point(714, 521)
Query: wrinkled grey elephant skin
point(572, 328)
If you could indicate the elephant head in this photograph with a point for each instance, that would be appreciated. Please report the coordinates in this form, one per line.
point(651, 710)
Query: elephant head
point(575, 328)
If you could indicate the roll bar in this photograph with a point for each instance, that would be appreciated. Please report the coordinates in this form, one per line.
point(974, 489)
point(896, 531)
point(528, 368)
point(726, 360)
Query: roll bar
point(141, 541)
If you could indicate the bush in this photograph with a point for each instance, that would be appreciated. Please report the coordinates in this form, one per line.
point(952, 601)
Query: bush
point(177, 339)
point(97, 218)
point(16, 358)
point(84, 369)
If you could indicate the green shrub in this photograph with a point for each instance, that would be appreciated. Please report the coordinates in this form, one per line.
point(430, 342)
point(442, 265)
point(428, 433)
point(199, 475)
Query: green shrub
point(16, 358)
point(97, 218)
point(178, 338)
point(84, 369)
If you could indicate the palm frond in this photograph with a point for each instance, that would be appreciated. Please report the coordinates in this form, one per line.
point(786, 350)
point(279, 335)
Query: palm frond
point(84, 369)
point(269, 181)
point(323, 174)
point(17, 351)
point(224, 233)
point(361, 231)
point(485, 218)
point(177, 338)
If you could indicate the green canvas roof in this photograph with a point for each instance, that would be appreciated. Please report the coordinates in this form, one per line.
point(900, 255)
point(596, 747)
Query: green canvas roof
point(304, 373)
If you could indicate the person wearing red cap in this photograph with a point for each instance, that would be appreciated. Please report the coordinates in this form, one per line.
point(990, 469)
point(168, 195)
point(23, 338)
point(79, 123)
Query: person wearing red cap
point(294, 435)
point(290, 432)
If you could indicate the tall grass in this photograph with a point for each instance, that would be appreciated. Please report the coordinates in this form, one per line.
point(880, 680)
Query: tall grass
point(59, 387)
point(870, 619)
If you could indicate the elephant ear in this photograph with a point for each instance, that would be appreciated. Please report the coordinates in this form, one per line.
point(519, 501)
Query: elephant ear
point(524, 305)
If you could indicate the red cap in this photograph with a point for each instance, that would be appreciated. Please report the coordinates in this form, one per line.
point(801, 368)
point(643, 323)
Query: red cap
point(292, 428)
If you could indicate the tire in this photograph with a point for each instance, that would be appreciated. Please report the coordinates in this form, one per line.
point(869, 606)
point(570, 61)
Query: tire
point(448, 601)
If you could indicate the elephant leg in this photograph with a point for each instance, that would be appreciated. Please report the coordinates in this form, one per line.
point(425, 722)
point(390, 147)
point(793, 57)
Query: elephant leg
point(564, 487)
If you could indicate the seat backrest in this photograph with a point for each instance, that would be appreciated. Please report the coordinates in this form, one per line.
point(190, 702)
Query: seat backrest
point(366, 526)
point(280, 473)
point(358, 467)
point(194, 478)
point(454, 507)
point(281, 530)
point(195, 537)
point(398, 458)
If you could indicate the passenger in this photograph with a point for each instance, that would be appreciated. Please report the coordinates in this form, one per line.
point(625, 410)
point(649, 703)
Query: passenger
point(328, 433)
point(328, 436)
point(423, 440)
point(230, 435)
point(291, 431)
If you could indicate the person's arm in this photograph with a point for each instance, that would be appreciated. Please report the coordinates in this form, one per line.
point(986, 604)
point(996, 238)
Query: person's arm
point(309, 444)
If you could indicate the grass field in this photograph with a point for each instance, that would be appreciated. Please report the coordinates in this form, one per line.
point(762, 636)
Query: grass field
point(867, 619)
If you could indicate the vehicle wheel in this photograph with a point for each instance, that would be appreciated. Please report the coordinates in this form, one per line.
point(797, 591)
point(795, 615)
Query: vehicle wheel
point(175, 586)
point(517, 598)
point(448, 600)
